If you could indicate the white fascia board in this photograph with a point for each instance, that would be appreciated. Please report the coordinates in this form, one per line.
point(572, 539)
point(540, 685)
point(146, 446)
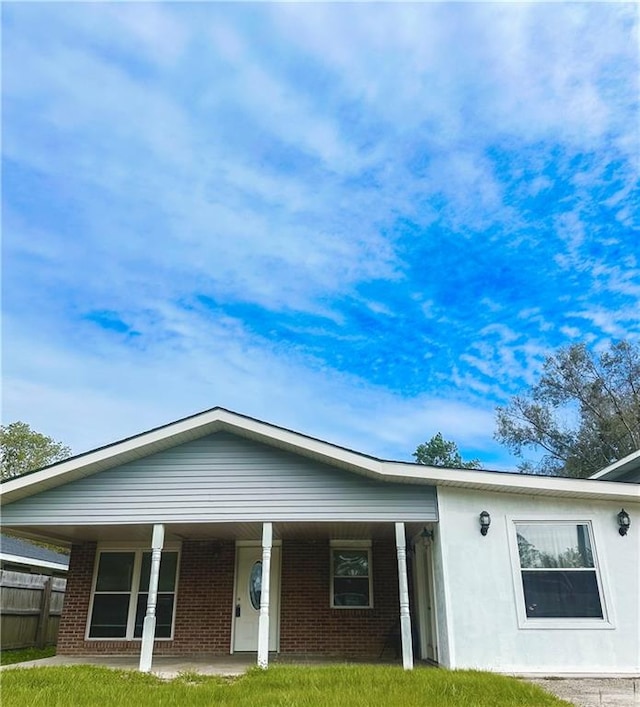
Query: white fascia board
point(631, 460)
point(84, 465)
point(511, 483)
point(298, 443)
point(32, 562)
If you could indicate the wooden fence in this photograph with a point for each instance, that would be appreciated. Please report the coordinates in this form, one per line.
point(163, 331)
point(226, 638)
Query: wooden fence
point(30, 608)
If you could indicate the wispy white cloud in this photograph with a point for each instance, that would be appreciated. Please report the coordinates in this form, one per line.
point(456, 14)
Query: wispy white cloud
point(395, 211)
point(195, 365)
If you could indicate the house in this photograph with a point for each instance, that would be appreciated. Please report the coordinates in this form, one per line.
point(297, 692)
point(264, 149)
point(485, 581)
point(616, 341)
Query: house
point(221, 534)
point(626, 470)
point(20, 555)
point(32, 584)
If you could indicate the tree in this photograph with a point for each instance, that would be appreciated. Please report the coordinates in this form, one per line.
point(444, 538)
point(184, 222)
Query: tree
point(583, 413)
point(441, 452)
point(23, 449)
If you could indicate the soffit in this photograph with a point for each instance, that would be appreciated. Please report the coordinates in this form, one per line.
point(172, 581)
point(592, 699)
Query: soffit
point(141, 533)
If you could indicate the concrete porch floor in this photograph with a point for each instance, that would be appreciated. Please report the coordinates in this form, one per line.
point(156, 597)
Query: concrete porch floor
point(164, 667)
point(170, 667)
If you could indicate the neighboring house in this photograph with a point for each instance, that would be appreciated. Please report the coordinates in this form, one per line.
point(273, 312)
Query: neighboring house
point(626, 470)
point(226, 534)
point(32, 584)
point(20, 555)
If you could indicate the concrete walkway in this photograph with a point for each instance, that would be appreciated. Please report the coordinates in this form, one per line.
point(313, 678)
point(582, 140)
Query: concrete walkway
point(168, 667)
point(593, 692)
point(162, 667)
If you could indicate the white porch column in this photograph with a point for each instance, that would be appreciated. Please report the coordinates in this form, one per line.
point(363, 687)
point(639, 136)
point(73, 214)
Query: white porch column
point(263, 621)
point(405, 616)
point(149, 625)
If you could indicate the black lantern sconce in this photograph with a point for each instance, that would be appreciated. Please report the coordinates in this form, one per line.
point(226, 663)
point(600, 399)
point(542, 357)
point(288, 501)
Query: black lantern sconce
point(485, 522)
point(426, 535)
point(624, 522)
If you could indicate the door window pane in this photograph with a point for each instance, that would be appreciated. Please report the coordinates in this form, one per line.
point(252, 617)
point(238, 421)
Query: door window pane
point(255, 584)
point(115, 572)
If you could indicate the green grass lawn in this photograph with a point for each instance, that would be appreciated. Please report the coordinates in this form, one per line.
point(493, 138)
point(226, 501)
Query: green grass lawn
point(295, 686)
point(21, 654)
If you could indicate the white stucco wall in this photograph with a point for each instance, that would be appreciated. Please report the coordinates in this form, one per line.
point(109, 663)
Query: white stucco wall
point(441, 602)
point(480, 616)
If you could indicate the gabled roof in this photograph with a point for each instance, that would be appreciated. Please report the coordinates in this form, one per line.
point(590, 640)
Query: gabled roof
point(22, 552)
point(622, 468)
point(221, 420)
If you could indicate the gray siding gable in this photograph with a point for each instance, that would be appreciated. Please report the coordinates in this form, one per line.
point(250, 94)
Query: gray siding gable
point(224, 477)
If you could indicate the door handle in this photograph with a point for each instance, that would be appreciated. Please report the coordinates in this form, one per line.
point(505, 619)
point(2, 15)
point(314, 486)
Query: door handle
point(238, 609)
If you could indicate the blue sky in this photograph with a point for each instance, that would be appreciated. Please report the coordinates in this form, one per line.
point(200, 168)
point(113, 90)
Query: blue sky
point(366, 222)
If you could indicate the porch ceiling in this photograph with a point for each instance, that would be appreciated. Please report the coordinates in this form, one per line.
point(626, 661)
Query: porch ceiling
point(68, 534)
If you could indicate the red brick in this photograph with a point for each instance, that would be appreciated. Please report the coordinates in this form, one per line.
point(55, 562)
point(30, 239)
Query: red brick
point(204, 603)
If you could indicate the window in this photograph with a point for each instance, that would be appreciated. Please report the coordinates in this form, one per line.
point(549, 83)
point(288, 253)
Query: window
point(558, 571)
point(351, 578)
point(121, 592)
point(255, 585)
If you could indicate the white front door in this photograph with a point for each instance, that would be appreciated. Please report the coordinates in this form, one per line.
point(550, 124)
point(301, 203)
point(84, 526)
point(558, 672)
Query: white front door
point(248, 591)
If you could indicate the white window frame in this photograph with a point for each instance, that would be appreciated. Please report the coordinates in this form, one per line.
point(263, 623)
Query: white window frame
point(526, 622)
point(138, 551)
point(336, 546)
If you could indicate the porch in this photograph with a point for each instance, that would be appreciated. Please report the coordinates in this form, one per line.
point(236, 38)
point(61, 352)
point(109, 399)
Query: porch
point(333, 527)
point(217, 604)
point(168, 667)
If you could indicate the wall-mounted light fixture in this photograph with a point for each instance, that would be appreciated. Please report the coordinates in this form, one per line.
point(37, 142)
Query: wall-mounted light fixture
point(426, 535)
point(485, 522)
point(624, 522)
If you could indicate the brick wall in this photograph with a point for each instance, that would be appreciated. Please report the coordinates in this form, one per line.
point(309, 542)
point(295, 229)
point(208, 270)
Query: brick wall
point(205, 599)
point(73, 620)
point(309, 625)
point(205, 603)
